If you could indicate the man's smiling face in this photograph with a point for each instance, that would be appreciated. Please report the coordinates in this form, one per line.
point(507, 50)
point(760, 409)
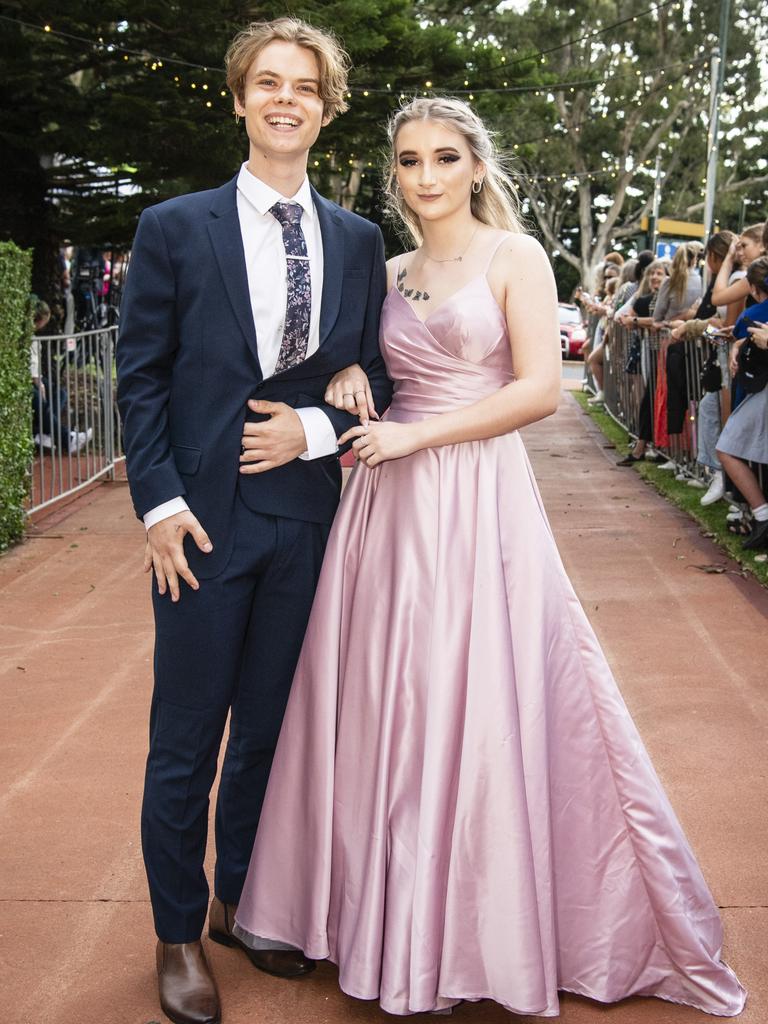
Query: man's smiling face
point(282, 106)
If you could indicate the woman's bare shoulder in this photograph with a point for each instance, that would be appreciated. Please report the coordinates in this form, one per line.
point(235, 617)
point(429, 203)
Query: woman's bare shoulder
point(519, 258)
point(516, 245)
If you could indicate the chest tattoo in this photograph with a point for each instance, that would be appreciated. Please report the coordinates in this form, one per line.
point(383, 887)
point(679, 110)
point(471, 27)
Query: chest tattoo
point(409, 293)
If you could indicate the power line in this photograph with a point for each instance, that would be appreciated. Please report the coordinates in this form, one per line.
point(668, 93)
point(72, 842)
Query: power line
point(588, 35)
point(539, 88)
point(109, 47)
point(159, 60)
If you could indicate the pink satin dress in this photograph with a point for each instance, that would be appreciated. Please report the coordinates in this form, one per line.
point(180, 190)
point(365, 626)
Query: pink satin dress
point(460, 805)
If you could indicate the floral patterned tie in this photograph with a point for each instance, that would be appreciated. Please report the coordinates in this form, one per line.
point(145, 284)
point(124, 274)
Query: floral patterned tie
point(293, 348)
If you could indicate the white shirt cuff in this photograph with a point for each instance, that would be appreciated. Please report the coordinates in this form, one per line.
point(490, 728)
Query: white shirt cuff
point(164, 511)
point(319, 432)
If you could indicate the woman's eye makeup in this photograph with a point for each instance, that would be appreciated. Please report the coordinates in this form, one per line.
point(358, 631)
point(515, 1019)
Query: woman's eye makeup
point(447, 158)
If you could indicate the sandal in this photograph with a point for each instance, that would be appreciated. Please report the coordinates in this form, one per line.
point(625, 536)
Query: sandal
point(630, 459)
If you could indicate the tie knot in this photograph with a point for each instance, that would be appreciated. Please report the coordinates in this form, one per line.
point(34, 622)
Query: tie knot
point(286, 213)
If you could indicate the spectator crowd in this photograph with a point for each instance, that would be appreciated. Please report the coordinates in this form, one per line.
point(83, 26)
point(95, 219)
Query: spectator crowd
point(686, 344)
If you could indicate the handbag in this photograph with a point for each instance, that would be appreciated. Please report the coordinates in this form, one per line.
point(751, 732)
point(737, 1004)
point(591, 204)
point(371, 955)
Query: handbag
point(753, 367)
point(711, 377)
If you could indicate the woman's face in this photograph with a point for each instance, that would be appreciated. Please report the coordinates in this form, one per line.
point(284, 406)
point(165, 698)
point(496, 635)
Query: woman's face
point(657, 278)
point(435, 169)
point(748, 249)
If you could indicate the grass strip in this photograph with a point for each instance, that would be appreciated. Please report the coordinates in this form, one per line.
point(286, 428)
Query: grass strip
point(711, 518)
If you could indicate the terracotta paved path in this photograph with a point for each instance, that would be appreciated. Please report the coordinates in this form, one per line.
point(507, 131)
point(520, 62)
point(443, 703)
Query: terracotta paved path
point(76, 945)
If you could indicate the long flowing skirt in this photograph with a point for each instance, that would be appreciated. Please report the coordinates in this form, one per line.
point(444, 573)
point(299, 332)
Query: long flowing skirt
point(460, 805)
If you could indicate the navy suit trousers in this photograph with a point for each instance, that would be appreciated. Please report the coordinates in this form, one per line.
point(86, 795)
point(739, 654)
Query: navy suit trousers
point(229, 648)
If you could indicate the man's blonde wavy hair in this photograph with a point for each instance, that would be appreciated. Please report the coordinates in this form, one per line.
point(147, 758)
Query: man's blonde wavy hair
point(332, 60)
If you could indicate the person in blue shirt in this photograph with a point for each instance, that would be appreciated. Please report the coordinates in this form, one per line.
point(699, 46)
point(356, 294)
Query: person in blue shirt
point(744, 438)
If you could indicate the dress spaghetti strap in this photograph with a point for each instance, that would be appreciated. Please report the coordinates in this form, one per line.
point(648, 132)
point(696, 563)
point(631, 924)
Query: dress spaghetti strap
point(494, 250)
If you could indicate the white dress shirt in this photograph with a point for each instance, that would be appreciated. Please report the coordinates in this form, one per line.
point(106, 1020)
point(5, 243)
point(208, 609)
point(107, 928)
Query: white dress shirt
point(265, 265)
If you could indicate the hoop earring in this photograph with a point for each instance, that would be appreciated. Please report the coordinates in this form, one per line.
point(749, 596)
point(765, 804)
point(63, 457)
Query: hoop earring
point(477, 190)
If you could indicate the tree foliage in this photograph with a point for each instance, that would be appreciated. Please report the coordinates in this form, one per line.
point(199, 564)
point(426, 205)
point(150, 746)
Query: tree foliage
point(122, 106)
point(620, 85)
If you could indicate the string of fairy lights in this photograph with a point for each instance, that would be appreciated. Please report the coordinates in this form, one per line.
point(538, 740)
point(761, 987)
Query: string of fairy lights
point(187, 77)
point(151, 57)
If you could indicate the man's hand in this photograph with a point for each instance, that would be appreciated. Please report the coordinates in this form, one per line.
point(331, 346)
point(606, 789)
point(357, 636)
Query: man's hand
point(349, 389)
point(272, 442)
point(165, 551)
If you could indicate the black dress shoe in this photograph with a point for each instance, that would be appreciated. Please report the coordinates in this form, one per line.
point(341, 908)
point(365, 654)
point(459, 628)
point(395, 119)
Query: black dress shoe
point(758, 536)
point(282, 963)
point(630, 460)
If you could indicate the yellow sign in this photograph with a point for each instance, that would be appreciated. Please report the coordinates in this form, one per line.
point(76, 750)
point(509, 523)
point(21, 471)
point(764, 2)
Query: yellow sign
point(667, 226)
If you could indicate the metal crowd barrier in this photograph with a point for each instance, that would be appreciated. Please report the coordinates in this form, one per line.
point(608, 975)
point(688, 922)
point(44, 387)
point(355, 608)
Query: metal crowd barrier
point(76, 425)
point(633, 360)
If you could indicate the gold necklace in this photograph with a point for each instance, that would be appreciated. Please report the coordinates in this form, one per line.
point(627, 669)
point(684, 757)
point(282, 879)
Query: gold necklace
point(455, 259)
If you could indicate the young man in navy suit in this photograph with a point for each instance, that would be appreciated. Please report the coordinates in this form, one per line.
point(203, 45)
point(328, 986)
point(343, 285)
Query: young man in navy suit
point(241, 305)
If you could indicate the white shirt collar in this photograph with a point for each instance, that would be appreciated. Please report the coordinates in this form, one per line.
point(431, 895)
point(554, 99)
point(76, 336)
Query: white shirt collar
point(263, 197)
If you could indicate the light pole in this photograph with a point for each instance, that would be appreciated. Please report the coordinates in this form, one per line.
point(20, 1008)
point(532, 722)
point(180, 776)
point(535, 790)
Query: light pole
point(713, 136)
point(654, 225)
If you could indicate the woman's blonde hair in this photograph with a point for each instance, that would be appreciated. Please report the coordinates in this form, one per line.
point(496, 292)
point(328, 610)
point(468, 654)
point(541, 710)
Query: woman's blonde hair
point(496, 204)
point(332, 60)
point(682, 262)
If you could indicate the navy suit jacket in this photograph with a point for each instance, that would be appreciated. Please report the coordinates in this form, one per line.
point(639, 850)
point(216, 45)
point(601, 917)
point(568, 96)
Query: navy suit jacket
point(187, 363)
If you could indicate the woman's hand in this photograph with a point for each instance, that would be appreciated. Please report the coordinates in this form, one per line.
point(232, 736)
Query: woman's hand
point(380, 442)
point(349, 389)
point(733, 359)
point(759, 334)
point(678, 333)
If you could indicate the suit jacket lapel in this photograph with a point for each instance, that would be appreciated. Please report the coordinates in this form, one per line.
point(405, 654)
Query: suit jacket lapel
point(332, 231)
point(227, 241)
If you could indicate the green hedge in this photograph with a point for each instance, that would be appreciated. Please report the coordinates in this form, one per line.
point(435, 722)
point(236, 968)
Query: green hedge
point(15, 389)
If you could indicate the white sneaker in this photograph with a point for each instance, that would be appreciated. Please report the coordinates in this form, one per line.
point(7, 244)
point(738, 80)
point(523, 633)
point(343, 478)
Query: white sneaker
point(78, 439)
point(694, 482)
point(681, 476)
point(43, 440)
point(716, 489)
point(735, 516)
point(667, 465)
point(597, 399)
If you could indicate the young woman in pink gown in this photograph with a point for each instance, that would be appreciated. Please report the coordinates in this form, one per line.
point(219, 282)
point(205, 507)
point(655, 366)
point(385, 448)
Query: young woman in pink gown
point(460, 806)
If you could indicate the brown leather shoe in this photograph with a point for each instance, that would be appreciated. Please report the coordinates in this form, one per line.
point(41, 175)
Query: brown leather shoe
point(187, 990)
point(283, 963)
